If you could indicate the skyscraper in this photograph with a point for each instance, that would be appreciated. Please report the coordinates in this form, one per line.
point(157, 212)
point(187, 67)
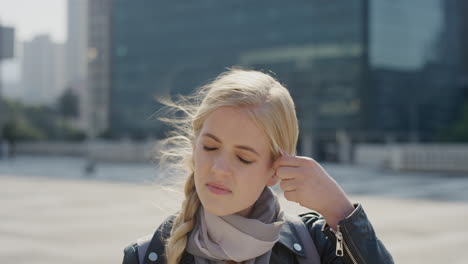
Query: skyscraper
point(162, 48)
point(76, 60)
point(99, 25)
point(364, 69)
point(415, 67)
point(76, 40)
point(43, 70)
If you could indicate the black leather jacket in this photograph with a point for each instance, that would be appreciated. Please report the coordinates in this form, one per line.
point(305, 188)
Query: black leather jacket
point(355, 235)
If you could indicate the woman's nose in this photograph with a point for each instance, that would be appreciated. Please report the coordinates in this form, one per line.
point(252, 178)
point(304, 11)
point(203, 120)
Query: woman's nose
point(221, 166)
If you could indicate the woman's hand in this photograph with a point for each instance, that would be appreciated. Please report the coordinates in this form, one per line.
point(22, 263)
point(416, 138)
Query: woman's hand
point(304, 181)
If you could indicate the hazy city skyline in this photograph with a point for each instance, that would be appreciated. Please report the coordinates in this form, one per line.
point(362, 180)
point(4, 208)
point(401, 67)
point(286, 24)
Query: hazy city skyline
point(32, 18)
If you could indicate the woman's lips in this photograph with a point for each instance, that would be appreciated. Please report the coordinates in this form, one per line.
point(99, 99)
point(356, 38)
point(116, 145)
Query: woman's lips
point(218, 188)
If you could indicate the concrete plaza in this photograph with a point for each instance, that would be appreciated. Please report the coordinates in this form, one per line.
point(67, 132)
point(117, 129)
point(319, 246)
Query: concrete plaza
point(53, 220)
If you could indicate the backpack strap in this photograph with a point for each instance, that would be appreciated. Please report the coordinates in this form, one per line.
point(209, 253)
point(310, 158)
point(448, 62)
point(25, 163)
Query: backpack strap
point(131, 254)
point(143, 243)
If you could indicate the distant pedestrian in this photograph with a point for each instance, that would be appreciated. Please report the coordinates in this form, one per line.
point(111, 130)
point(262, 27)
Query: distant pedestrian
point(90, 168)
point(238, 140)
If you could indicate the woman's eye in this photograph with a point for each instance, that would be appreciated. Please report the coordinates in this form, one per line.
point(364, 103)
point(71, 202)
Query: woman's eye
point(241, 159)
point(245, 161)
point(208, 149)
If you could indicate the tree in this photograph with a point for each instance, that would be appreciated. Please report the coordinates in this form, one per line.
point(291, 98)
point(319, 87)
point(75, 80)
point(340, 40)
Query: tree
point(68, 104)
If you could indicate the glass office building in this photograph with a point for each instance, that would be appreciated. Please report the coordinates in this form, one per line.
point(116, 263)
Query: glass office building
point(368, 68)
point(416, 66)
point(159, 48)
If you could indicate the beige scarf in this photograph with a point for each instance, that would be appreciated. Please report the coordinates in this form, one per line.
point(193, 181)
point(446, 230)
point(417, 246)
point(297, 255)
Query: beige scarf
point(215, 239)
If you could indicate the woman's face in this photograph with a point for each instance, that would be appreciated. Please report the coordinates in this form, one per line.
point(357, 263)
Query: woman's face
point(232, 162)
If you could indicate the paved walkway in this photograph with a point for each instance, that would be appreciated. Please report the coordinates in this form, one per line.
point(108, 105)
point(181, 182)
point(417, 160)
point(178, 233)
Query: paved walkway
point(52, 220)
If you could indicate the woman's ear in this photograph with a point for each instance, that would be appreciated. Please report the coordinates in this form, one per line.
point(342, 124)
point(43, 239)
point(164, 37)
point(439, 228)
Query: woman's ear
point(273, 178)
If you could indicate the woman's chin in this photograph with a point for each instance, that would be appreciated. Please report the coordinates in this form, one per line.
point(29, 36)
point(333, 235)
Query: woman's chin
point(217, 211)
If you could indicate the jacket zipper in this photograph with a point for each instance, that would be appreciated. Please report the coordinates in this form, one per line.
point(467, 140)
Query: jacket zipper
point(340, 243)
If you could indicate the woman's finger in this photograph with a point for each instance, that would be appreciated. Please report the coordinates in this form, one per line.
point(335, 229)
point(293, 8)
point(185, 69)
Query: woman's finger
point(290, 161)
point(291, 196)
point(287, 173)
point(288, 185)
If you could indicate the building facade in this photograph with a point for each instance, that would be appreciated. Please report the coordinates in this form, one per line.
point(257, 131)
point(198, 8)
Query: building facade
point(416, 67)
point(43, 70)
point(166, 48)
point(77, 58)
point(98, 75)
point(357, 70)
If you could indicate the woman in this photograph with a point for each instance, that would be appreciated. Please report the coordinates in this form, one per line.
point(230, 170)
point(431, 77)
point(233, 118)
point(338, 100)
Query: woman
point(238, 139)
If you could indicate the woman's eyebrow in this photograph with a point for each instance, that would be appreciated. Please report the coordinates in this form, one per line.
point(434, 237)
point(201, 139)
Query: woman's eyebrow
point(237, 146)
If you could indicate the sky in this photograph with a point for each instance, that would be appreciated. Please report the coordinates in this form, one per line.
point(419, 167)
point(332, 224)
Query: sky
point(30, 18)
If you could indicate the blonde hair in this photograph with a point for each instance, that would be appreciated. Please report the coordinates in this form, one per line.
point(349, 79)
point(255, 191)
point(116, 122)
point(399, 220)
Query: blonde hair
point(270, 106)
